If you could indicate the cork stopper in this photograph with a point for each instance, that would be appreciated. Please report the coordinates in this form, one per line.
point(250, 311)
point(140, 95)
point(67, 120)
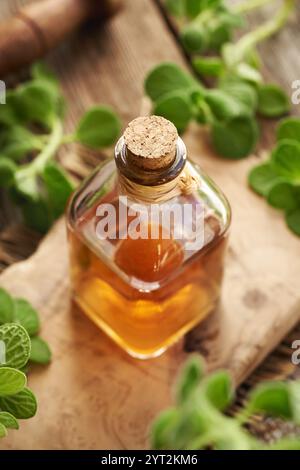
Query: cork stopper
point(151, 142)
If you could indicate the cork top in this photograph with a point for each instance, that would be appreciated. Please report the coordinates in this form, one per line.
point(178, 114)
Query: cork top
point(151, 142)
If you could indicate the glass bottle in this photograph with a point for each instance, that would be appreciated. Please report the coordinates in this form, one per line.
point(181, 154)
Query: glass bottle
point(147, 233)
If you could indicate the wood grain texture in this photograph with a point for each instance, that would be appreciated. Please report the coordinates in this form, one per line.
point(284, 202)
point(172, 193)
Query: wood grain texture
point(93, 395)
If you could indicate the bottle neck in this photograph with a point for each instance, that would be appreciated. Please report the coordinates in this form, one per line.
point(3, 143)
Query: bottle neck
point(155, 186)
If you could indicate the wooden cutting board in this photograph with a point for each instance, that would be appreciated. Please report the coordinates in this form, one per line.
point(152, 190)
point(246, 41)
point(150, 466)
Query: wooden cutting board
point(93, 396)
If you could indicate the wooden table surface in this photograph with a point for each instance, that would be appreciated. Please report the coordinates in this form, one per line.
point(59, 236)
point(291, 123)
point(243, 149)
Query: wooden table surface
point(93, 395)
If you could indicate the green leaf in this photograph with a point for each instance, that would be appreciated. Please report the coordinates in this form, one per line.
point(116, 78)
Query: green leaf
point(189, 378)
point(23, 405)
point(242, 92)
point(262, 178)
point(248, 73)
point(38, 102)
point(272, 101)
point(236, 138)
point(176, 7)
point(284, 196)
point(224, 106)
point(3, 431)
point(27, 316)
point(17, 345)
point(17, 142)
point(7, 172)
point(36, 215)
point(11, 381)
point(40, 351)
point(286, 160)
point(194, 7)
point(26, 183)
point(98, 128)
point(293, 221)
point(163, 429)
point(167, 78)
point(219, 390)
point(176, 108)
point(208, 66)
point(8, 420)
point(289, 128)
point(6, 307)
point(58, 186)
point(271, 398)
point(194, 38)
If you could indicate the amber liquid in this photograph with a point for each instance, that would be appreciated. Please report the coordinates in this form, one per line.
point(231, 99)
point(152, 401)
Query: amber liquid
point(144, 322)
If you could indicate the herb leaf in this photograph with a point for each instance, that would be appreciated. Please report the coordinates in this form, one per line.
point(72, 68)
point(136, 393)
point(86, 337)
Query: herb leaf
point(293, 221)
point(23, 405)
point(6, 307)
point(17, 345)
point(284, 196)
point(8, 420)
point(272, 101)
point(289, 128)
point(262, 178)
point(98, 128)
point(27, 316)
point(40, 351)
point(166, 78)
point(11, 381)
point(168, 106)
point(286, 160)
point(236, 138)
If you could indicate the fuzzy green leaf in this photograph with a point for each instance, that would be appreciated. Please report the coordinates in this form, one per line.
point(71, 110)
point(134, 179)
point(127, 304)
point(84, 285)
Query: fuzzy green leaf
point(17, 345)
point(38, 102)
point(164, 429)
point(8, 420)
point(40, 351)
point(272, 101)
point(293, 221)
point(167, 78)
point(236, 138)
point(219, 389)
point(98, 128)
point(6, 307)
point(190, 377)
point(12, 381)
point(262, 178)
point(284, 196)
point(289, 128)
point(23, 405)
point(58, 186)
point(176, 108)
point(7, 172)
point(27, 316)
point(208, 66)
point(286, 160)
point(271, 398)
point(3, 431)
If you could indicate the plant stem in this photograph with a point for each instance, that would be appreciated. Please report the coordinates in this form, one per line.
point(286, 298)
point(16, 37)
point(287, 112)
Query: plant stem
point(249, 5)
point(50, 149)
point(250, 40)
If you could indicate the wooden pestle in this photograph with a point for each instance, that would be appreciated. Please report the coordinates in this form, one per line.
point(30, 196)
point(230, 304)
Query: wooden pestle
point(40, 26)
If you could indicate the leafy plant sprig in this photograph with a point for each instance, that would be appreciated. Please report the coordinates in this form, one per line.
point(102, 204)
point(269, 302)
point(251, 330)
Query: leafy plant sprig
point(31, 133)
point(278, 179)
point(229, 110)
point(198, 419)
point(16, 400)
point(20, 311)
